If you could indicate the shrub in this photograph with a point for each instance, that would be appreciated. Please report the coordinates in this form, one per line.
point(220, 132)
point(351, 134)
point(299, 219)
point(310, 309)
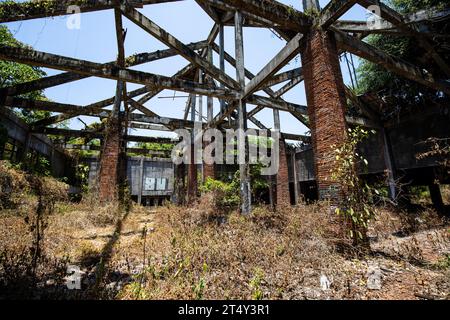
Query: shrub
point(13, 185)
point(226, 195)
point(357, 204)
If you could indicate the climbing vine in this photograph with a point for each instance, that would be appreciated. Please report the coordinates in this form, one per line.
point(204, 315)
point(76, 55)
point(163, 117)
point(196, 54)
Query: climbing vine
point(357, 205)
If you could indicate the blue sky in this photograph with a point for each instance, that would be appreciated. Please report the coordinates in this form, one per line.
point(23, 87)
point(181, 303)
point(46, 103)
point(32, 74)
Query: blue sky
point(96, 41)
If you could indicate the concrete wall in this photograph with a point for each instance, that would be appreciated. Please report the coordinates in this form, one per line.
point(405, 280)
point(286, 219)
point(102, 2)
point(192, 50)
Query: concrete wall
point(19, 131)
point(146, 177)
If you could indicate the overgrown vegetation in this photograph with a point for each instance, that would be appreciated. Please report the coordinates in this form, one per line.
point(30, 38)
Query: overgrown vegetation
point(357, 206)
point(198, 252)
point(12, 73)
point(439, 148)
point(398, 91)
point(226, 191)
point(33, 198)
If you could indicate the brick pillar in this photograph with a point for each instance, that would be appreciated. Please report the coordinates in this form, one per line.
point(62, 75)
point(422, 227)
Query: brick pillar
point(209, 170)
point(108, 177)
point(282, 178)
point(325, 95)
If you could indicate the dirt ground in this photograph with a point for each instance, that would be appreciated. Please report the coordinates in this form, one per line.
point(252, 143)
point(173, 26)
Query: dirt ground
point(171, 253)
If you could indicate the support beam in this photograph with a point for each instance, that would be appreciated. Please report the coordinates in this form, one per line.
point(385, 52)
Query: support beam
point(325, 93)
point(333, 11)
point(388, 160)
point(244, 167)
point(110, 163)
point(391, 63)
point(423, 41)
point(147, 126)
point(278, 14)
point(277, 104)
point(96, 109)
point(275, 95)
point(436, 196)
point(221, 52)
point(167, 122)
point(29, 104)
point(91, 134)
point(66, 77)
point(279, 61)
point(209, 100)
point(138, 106)
point(27, 10)
point(43, 59)
point(284, 76)
point(419, 19)
point(172, 42)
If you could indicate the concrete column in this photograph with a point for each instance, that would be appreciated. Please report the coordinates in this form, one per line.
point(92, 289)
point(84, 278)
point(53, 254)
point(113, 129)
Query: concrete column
point(222, 59)
point(244, 167)
point(326, 106)
point(192, 166)
point(389, 166)
point(436, 197)
point(141, 180)
point(310, 4)
point(179, 190)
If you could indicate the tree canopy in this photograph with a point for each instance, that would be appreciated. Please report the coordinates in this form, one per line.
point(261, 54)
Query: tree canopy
point(400, 91)
point(12, 73)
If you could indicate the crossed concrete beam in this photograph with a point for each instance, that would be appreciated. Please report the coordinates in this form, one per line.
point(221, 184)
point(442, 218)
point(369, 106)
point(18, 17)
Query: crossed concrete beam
point(265, 13)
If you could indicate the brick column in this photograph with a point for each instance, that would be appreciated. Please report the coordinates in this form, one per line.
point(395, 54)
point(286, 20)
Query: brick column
point(209, 170)
point(282, 178)
point(325, 95)
point(108, 177)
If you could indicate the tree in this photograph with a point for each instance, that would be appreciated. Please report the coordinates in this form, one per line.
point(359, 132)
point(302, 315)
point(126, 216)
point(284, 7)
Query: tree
point(398, 91)
point(12, 73)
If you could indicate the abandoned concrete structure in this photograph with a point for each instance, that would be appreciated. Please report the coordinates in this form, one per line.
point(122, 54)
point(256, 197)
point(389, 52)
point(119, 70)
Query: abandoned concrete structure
point(318, 37)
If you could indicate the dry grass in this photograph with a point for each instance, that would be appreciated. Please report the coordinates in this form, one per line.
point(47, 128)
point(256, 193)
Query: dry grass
point(199, 252)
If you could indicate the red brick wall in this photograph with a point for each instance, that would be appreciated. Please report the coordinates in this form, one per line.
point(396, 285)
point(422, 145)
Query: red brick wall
point(109, 163)
point(209, 171)
point(326, 105)
point(282, 179)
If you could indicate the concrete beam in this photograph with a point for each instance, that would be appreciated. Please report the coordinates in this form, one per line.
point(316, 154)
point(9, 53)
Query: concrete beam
point(279, 61)
point(278, 14)
point(394, 64)
point(333, 11)
point(43, 59)
point(27, 10)
point(398, 20)
point(284, 76)
point(172, 42)
point(66, 77)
